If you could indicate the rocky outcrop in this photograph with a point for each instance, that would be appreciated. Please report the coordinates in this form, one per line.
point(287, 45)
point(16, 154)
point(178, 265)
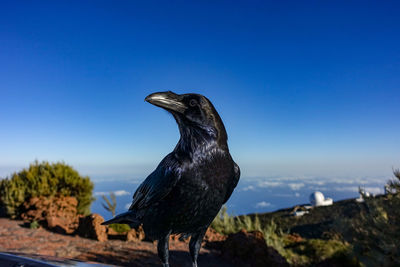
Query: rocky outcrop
point(58, 214)
point(213, 236)
point(90, 227)
point(213, 239)
point(295, 238)
point(135, 234)
point(250, 249)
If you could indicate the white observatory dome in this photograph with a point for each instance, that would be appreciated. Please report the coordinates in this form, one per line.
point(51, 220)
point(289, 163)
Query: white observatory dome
point(318, 199)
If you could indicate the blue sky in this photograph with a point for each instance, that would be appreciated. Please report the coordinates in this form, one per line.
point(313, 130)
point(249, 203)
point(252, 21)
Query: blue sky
point(308, 89)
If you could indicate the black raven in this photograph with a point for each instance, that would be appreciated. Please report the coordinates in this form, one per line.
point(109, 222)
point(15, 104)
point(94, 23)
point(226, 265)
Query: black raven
point(189, 186)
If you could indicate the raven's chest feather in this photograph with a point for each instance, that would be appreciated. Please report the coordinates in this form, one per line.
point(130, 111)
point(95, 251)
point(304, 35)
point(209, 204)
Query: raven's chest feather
point(196, 198)
point(207, 174)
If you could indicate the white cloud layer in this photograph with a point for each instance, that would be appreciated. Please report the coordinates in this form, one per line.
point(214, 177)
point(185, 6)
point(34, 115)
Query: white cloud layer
point(373, 190)
point(121, 193)
point(248, 188)
point(263, 204)
point(117, 193)
point(296, 186)
point(269, 184)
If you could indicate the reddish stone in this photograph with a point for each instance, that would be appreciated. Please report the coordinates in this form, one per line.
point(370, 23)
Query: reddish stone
point(213, 236)
point(135, 234)
point(250, 249)
point(57, 213)
point(213, 239)
point(295, 238)
point(90, 227)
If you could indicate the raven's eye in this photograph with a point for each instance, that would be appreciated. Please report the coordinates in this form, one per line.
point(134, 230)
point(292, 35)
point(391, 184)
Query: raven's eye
point(193, 102)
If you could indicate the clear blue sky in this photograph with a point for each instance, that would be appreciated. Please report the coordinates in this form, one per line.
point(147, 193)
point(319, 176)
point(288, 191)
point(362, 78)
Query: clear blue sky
point(304, 88)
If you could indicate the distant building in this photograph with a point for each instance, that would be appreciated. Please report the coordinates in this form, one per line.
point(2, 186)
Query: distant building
point(363, 194)
point(317, 199)
point(300, 213)
point(360, 199)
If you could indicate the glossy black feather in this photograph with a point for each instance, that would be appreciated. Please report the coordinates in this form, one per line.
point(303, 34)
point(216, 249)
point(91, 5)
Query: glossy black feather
point(157, 185)
point(187, 189)
point(234, 183)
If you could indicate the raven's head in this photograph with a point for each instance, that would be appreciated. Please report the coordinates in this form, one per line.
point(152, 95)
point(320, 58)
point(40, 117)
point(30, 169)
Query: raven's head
point(194, 113)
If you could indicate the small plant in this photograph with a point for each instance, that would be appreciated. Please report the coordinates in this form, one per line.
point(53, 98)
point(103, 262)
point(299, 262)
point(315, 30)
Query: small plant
point(34, 225)
point(120, 228)
point(111, 205)
point(224, 223)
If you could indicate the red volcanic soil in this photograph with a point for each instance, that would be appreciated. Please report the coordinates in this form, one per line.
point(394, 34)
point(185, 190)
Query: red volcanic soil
point(15, 238)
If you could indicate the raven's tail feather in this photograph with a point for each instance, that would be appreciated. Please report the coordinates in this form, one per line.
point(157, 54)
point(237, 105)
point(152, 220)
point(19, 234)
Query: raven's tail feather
point(128, 217)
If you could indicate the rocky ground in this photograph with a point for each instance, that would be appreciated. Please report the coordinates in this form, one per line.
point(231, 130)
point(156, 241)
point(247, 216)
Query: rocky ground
point(65, 234)
point(16, 238)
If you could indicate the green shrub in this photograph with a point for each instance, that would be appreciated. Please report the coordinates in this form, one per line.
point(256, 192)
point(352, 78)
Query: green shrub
point(34, 225)
point(313, 251)
point(224, 223)
point(119, 227)
point(45, 179)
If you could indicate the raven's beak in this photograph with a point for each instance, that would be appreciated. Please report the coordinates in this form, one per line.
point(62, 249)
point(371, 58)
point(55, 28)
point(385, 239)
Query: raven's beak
point(167, 100)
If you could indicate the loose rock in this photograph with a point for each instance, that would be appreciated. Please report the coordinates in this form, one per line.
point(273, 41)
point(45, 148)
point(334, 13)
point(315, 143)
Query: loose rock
point(213, 239)
point(249, 249)
point(135, 234)
point(90, 227)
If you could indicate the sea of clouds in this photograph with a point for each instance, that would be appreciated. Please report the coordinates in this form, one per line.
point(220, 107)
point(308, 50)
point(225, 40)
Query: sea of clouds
point(256, 194)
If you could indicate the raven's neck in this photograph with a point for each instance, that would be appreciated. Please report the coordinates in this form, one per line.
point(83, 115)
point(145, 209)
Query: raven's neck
point(195, 141)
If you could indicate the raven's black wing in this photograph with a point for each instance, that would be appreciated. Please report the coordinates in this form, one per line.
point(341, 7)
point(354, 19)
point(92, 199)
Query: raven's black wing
point(234, 183)
point(158, 184)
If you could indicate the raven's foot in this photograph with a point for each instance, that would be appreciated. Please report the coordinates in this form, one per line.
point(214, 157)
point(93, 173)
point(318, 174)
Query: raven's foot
point(194, 246)
point(163, 250)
